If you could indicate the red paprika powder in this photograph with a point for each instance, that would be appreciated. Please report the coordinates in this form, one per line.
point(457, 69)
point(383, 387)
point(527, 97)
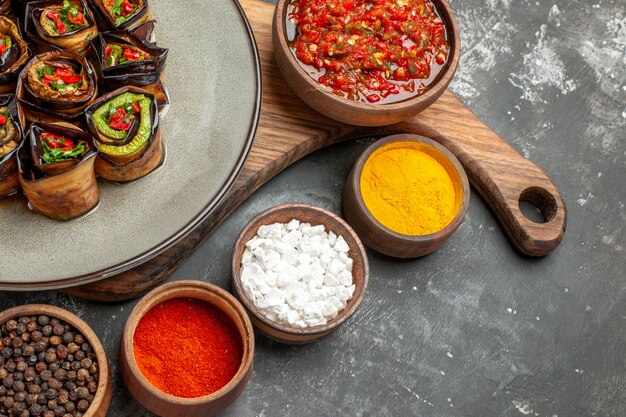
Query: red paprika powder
point(187, 347)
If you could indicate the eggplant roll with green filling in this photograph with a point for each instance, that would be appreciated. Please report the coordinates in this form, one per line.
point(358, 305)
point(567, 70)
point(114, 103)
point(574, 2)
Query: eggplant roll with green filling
point(122, 58)
point(10, 140)
point(56, 85)
point(60, 24)
point(14, 54)
point(125, 124)
point(121, 14)
point(56, 170)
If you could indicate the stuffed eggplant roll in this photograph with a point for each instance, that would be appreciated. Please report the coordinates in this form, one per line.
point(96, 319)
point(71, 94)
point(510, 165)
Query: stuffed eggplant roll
point(56, 85)
point(13, 54)
point(56, 170)
point(60, 24)
point(122, 14)
point(125, 124)
point(10, 140)
point(122, 58)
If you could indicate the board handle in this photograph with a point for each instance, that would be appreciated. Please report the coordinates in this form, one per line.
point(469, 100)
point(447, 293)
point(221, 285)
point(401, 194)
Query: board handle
point(501, 175)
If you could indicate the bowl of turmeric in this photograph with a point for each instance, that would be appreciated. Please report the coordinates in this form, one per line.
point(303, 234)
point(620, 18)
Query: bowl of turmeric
point(406, 195)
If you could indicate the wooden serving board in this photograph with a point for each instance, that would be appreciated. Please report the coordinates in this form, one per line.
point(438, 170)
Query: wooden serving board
point(289, 130)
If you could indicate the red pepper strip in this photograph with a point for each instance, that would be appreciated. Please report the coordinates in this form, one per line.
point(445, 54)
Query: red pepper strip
point(47, 79)
point(54, 16)
point(107, 52)
point(71, 79)
point(79, 19)
point(118, 120)
point(3, 48)
point(131, 55)
point(136, 107)
point(58, 142)
point(3, 120)
point(127, 8)
point(62, 72)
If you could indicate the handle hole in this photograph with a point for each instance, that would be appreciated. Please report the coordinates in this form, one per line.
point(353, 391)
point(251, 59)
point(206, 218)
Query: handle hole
point(537, 205)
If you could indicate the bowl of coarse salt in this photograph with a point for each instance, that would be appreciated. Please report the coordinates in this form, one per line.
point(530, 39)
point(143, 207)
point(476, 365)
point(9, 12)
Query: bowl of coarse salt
point(300, 272)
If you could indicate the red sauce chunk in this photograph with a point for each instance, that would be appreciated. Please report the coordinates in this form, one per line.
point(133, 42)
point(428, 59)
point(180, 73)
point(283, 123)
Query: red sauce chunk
point(376, 51)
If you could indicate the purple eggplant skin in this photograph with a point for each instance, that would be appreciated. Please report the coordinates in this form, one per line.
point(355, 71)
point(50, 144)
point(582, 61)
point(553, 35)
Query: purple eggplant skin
point(6, 7)
point(9, 183)
point(15, 58)
point(75, 41)
point(66, 193)
point(50, 109)
point(145, 74)
point(139, 73)
point(145, 31)
point(106, 22)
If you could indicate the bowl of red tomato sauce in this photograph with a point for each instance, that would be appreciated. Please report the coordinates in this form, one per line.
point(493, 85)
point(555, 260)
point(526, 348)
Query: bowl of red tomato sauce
point(367, 62)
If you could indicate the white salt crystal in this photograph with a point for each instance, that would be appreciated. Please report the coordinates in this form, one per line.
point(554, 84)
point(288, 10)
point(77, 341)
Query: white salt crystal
point(317, 230)
point(293, 225)
point(341, 245)
point(297, 273)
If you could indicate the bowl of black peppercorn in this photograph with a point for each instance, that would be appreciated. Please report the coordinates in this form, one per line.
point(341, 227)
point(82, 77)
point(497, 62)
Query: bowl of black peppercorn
point(51, 364)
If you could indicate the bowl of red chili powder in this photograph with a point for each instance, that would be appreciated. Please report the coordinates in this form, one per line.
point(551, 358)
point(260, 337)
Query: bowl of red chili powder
point(363, 62)
point(187, 350)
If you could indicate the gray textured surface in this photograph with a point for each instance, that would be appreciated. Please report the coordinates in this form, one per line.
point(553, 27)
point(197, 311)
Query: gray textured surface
point(206, 131)
point(475, 329)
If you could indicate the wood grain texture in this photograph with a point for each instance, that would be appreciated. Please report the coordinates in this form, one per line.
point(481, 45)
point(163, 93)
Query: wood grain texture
point(289, 130)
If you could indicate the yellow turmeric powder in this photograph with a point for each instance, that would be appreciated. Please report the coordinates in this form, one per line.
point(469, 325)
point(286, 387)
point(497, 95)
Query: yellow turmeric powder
point(408, 190)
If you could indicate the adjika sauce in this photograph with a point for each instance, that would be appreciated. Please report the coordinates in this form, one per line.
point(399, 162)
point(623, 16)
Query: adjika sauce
point(376, 51)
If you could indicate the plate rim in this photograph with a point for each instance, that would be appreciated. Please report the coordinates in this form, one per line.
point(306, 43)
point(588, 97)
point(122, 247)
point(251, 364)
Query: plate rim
point(186, 230)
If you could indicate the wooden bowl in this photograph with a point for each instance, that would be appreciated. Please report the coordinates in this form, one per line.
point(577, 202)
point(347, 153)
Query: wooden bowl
point(164, 404)
point(102, 398)
point(316, 216)
point(384, 240)
point(347, 111)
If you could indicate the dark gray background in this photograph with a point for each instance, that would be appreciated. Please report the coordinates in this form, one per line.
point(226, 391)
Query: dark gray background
point(475, 329)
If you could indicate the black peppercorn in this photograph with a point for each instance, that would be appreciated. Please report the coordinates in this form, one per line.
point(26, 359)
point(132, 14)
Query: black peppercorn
point(36, 409)
point(40, 346)
point(6, 352)
point(55, 341)
point(82, 405)
point(92, 386)
point(68, 337)
point(21, 366)
point(46, 330)
point(28, 351)
point(45, 375)
point(51, 356)
point(62, 352)
point(47, 369)
point(51, 393)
